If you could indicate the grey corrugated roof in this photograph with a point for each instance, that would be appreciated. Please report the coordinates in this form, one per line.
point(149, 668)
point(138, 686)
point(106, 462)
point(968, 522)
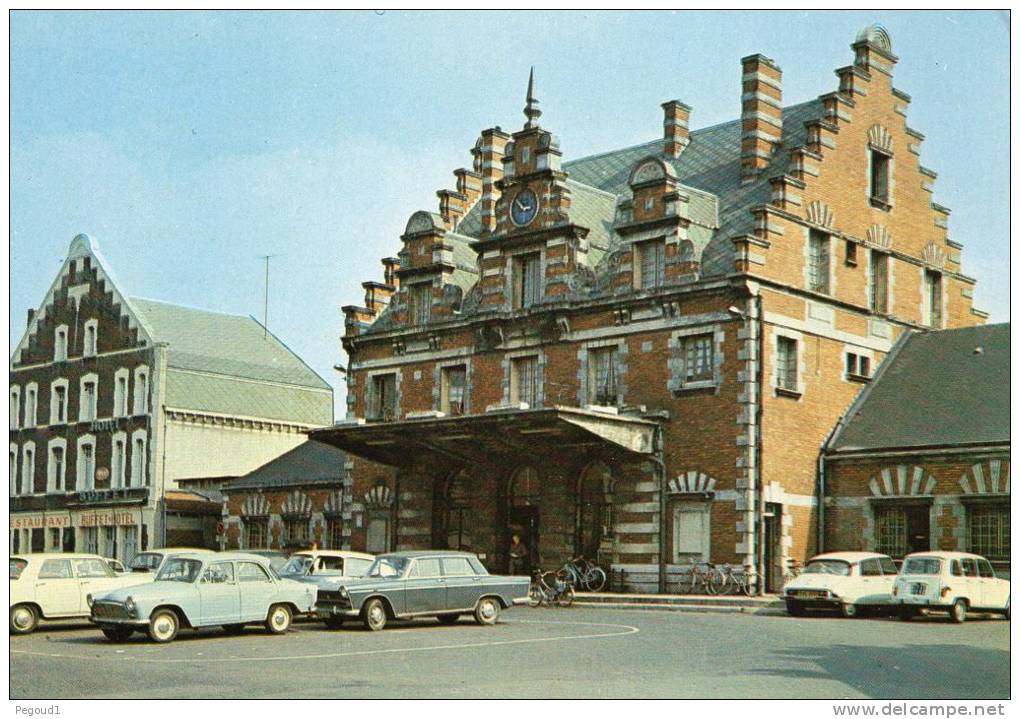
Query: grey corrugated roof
point(206, 341)
point(310, 462)
point(935, 390)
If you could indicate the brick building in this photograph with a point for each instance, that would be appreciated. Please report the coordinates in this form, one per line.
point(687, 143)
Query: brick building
point(640, 354)
point(921, 460)
point(112, 399)
point(296, 500)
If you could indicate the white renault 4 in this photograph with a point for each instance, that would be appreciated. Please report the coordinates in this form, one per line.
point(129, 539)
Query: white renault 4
point(951, 582)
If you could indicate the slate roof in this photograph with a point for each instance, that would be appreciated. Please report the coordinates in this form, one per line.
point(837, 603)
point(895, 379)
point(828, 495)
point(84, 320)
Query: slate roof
point(226, 364)
point(310, 462)
point(934, 390)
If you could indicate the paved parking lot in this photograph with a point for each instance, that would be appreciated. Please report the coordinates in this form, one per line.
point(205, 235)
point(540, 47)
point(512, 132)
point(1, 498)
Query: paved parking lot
point(546, 652)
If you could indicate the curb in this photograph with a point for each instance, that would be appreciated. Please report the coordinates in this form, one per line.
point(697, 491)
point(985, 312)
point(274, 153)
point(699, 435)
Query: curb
point(693, 608)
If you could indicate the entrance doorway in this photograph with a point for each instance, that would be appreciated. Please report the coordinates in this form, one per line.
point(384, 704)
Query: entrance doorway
point(918, 528)
point(523, 497)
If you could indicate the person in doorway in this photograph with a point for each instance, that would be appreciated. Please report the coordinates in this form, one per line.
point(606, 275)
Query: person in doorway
point(518, 555)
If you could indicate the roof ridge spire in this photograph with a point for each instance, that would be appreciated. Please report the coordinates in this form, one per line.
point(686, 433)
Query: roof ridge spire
point(531, 110)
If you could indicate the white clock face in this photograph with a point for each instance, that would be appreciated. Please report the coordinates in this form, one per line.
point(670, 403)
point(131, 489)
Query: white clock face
point(523, 208)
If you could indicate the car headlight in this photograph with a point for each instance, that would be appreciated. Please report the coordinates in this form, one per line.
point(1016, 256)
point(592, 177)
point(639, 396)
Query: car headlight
point(129, 605)
point(344, 593)
point(89, 600)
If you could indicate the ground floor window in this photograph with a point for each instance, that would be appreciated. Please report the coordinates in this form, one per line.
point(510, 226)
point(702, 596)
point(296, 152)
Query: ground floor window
point(900, 530)
point(295, 531)
point(256, 533)
point(38, 540)
point(90, 540)
point(110, 542)
point(691, 531)
point(988, 530)
point(334, 532)
point(53, 542)
point(15, 540)
point(128, 544)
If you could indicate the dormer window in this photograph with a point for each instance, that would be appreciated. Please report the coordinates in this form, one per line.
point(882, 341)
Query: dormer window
point(880, 180)
point(649, 264)
point(419, 303)
point(525, 157)
point(527, 280)
point(649, 203)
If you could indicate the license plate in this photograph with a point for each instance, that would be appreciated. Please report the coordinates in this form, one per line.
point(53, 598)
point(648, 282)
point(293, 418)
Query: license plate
point(811, 595)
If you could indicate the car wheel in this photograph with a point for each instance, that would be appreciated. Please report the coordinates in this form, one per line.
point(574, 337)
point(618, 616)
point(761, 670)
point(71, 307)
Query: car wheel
point(334, 622)
point(794, 609)
point(278, 620)
point(117, 634)
point(958, 612)
point(163, 626)
point(375, 615)
point(848, 610)
point(24, 619)
point(233, 628)
point(487, 611)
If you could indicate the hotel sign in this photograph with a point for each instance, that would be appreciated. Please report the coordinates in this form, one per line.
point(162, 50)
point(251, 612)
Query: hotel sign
point(108, 519)
point(123, 495)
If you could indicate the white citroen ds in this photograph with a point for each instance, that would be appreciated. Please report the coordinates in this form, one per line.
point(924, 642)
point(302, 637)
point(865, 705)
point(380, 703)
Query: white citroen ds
point(847, 581)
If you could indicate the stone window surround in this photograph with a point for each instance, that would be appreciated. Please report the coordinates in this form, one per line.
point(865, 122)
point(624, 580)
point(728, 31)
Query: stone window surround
point(925, 315)
point(507, 364)
point(437, 382)
point(860, 352)
point(31, 418)
point(54, 484)
point(509, 276)
point(15, 407)
point(677, 359)
point(28, 457)
point(140, 404)
point(370, 388)
point(806, 229)
point(584, 369)
point(140, 463)
point(82, 480)
point(117, 478)
point(88, 414)
point(54, 385)
point(868, 149)
point(680, 506)
point(890, 265)
point(797, 337)
point(15, 461)
point(86, 351)
point(59, 345)
point(120, 399)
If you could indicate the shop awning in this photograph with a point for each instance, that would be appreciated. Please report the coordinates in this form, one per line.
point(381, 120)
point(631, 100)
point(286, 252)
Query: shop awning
point(510, 435)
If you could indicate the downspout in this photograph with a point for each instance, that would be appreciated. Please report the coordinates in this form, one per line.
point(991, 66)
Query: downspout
point(758, 410)
point(660, 463)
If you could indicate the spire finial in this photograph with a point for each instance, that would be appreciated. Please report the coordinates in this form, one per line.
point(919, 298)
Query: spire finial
point(531, 110)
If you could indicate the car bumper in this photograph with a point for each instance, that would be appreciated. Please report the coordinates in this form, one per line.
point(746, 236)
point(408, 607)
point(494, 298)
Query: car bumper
point(813, 602)
point(325, 611)
point(921, 602)
point(106, 621)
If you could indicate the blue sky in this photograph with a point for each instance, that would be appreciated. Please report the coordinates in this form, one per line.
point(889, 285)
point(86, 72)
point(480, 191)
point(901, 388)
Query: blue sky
point(190, 144)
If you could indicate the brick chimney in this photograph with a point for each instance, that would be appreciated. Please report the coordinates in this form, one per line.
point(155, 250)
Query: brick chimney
point(675, 129)
point(390, 267)
point(761, 114)
point(493, 146)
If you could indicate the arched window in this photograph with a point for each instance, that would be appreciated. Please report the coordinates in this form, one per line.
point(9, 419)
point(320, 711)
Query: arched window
point(455, 530)
point(524, 489)
point(594, 517)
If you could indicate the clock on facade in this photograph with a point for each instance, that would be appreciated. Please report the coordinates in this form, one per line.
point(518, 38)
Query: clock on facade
point(524, 208)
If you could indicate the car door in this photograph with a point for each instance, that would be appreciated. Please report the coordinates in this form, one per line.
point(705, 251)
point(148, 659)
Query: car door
point(462, 583)
point(426, 587)
point(57, 590)
point(256, 590)
point(869, 583)
point(970, 581)
point(95, 578)
point(992, 594)
point(219, 594)
point(889, 573)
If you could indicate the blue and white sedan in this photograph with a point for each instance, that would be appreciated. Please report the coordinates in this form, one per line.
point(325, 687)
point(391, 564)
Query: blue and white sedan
point(230, 590)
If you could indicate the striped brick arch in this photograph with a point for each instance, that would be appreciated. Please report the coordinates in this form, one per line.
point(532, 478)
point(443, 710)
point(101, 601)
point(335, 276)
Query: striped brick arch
point(933, 255)
point(297, 504)
point(878, 235)
point(879, 138)
point(379, 497)
point(255, 505)
point(902, 481)
point(692, 482)
point(819, 213)
point(986, 478)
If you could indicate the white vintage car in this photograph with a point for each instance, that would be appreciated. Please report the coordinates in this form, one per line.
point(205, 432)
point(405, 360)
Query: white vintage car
point(951, 582)
point(847, 581)
point(54, 586)
point(153, 559)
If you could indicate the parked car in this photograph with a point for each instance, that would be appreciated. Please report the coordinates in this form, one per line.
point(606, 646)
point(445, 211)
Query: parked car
point(951, 582)
point(152, 560)
point(117, 567)
point(307, 565)
point(441, 584)
point(195, 590)
point(277, 557)
point(55, 586)
point(845, 581)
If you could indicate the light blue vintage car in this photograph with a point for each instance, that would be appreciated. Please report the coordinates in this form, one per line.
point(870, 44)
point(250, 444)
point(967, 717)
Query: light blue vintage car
point(200, 590)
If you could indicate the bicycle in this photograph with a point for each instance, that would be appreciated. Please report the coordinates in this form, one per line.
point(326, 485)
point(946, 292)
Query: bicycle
point(550, 588)
point(586, 574)
point(726, 581)
point(698, 573)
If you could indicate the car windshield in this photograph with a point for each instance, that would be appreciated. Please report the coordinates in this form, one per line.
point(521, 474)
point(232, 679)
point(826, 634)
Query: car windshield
point(17, 567)
point(828, 566)
point(146, 561)
point(179, 570)
point(388, 567)
point(922, 565)
point(298, 564)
